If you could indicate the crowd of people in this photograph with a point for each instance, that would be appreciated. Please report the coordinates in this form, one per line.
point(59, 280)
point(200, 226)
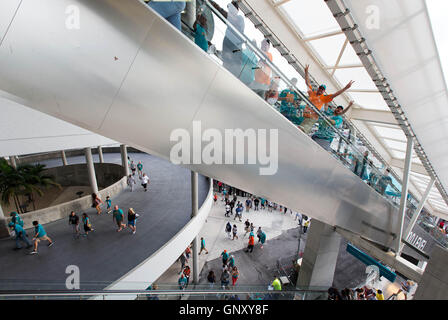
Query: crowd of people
point(239, 58)
point(76, 222)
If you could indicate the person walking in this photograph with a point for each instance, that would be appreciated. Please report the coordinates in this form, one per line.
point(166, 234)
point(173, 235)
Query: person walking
point(145, 181)
point(262, 238)
point(140, 170)
point(87, 224)
point(15, 218)
point(132, 219)
point(225, 275)
point(20, 235)
point(234, 231)
point(73, 220)
point(227, 207)
point(306, 225)
point(203, 246)
point(225, 257)
point(247, 227)
point(96, 203)
point(211, 279)
point(108, 205)
point(40, 235)
point(130, 181)
point(133, 168)
point(235, 275)
point(258, 233)
point(251, 243)
point(228, 229)
point(183, 261)
point(118, 216)
point(231, 261)
point(238, 213)
point(256, 202)
point(182, 281)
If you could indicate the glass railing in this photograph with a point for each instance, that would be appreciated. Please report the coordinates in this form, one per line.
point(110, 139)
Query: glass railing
point(169, 292)
point(249, 60)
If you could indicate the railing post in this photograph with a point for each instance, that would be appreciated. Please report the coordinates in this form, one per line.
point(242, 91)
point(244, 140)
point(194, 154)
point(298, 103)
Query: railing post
point(404, 192)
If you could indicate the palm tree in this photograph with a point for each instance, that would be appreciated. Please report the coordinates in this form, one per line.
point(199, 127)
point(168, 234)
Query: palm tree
point(25, 180)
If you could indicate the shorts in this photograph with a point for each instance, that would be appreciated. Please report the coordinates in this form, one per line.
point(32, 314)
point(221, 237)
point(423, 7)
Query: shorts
point(43, 238)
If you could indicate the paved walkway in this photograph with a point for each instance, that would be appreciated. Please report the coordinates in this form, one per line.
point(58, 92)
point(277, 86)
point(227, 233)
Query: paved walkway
point(105, 255)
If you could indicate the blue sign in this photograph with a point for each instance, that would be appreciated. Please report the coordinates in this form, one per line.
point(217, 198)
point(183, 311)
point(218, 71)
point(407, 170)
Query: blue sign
point(368, 260)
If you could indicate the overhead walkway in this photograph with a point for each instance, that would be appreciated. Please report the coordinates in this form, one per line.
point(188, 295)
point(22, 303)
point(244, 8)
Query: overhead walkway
point(127, 74)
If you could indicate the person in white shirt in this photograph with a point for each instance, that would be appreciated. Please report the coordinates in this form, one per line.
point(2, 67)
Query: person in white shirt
point(145, 181)
point(131, 181)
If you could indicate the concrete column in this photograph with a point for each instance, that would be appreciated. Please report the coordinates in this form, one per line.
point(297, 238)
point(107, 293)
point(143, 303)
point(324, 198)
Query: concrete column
point(12, 161)
point(100, 154)
point(434, 282)
point(4, 231)
point(91, 170)
point(404, 192)
point(194, 212)
point(124, 159)
point(320, 256)
point(417, 212)
point(64, 158)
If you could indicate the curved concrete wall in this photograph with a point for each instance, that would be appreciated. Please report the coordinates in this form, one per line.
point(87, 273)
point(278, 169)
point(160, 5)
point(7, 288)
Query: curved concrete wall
point(153, 267)
point(62, 211)
point(77, 174)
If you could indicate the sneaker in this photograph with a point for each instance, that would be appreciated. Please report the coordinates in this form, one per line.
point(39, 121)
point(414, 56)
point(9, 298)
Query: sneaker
point(50, 244)
point(33, 252)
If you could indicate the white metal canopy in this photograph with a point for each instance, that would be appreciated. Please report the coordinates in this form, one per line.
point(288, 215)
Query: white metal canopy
point(400, 35)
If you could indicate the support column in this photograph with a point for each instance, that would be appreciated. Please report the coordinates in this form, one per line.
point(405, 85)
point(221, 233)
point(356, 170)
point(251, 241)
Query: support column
point(124, 159)
point(404, 192)
point(434, 282)
point(64, 158)
point(194, 212)
point(91, 170)
point(320, 256)
point(417, 212)
point(100, 154)
point(4, 231)
point(12, 161)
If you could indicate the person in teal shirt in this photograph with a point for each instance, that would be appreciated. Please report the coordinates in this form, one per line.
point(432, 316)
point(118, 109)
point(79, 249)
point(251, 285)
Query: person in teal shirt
point(40, 234)
point(384, 182)
point(118, 216)
point(249, 64)
point(140, 170)
point(200, 37)
point(289, 106)
point(20, 235)
point(325, 134)
point(262, 238)
point(15, 218)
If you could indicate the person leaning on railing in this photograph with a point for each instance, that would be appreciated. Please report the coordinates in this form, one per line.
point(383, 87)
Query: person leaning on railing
point(318, 99)
point(325, 135)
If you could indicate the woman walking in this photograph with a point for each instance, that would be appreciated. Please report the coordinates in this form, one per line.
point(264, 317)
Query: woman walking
point(96, 203)
point(235, 275)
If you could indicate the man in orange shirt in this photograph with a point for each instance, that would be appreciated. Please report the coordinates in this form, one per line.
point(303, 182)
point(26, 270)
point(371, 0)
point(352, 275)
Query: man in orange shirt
point(262, 80)
point(318, 99)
